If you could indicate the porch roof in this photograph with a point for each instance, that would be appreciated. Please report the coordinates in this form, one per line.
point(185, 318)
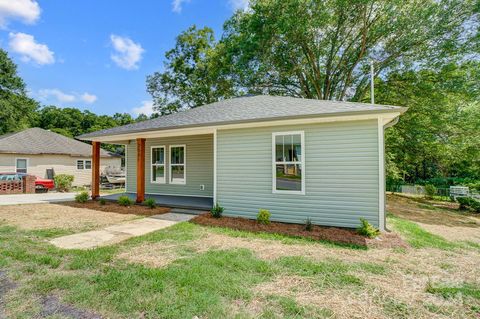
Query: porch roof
point(248, 109)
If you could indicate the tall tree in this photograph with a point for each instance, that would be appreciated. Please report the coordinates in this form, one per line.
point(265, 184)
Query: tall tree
point(321, 49)
point(17, 110)
point(439, 136)
point(193, 73)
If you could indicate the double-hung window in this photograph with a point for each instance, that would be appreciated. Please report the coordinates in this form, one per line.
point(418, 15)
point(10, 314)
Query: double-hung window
point(288, 162)
point(177, 164)
point(158, 164)
point(21, 165)
point(84, 164)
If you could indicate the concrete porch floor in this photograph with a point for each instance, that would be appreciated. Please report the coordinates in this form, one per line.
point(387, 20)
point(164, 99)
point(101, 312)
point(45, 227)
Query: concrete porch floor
point(185, 202)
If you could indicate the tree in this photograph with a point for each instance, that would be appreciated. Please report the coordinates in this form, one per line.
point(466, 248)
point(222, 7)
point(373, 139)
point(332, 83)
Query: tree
point(439, 136)
point(321, 49)
point(193, 74)
point(17, 110)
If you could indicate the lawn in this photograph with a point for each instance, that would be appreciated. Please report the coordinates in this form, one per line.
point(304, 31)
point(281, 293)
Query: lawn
point(189, 270)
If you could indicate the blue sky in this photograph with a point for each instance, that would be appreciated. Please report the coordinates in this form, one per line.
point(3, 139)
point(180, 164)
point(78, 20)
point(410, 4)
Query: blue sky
point(95, 54)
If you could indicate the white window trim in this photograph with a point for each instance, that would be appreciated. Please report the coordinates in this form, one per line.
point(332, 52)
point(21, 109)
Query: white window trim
point(164, 165)
point(21, 158)
point(178, 182)
point(84, 164)
point(274, 163)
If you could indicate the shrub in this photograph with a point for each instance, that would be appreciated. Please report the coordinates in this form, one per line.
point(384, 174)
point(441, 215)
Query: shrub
point(102, 201)
point(125, 201)
point(217, 211)
point(469, 203)
point(63, 182)
point(367, 229)
point(150, 202)
point(82, 197)
point(308, 224)
point(263, 216)
point(430, 190)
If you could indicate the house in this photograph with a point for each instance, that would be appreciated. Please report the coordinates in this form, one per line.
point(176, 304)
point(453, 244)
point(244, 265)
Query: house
point(298, 158)
point(36, 150)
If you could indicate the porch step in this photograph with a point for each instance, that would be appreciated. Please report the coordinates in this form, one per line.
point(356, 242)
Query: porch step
point(187, 211)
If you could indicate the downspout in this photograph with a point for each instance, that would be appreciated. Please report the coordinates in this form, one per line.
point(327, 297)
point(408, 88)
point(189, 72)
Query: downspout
point(389, 124)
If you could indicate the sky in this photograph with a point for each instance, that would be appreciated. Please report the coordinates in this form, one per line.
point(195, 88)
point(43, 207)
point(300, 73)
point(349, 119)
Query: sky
point(95, 54)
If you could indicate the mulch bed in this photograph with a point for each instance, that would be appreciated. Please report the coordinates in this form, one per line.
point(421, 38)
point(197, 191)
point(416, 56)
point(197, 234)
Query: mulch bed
point(330, 234)
point(115, 208)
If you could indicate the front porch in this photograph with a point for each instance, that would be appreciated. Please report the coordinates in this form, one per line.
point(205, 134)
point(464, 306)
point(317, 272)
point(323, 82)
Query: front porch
point(172, 201)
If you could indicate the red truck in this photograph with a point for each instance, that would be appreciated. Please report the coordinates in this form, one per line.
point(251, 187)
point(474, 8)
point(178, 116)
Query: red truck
point(42, 185)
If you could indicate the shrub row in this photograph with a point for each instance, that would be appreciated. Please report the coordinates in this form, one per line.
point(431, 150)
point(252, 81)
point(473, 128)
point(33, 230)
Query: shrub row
point(469, 203)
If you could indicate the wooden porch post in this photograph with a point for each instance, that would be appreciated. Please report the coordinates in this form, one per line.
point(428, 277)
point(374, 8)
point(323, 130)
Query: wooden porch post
point(140, 170)
point(95, 170)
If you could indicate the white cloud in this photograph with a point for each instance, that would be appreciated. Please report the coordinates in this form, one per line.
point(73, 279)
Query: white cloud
point(58, 96)
point(128, 53)
point(88, 98)
point(243, 5)
point(146, 108)
point(177, 5)
point(29, 50)
point(27, 11)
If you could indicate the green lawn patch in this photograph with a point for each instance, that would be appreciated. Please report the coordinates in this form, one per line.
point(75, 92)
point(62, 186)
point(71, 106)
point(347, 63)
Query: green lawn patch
point(417, 237)
point(466, 290)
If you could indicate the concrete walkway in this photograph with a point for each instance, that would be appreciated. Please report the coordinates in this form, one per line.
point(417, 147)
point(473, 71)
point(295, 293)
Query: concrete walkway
point(117, 233)
point(17, 199)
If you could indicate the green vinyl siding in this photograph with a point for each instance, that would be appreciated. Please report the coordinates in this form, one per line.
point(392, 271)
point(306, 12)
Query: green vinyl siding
point(199, 166)
point(341, 174)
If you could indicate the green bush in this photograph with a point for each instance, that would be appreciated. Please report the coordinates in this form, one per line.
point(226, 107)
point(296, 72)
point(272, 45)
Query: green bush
point(367, 229)
point(217, 211)
point(263, 216)
point(82, 197)
point(308, 224)
point(430, 190)
point(125, 201)
point(102, 201)
point(150, 202)
point(469, 203)
point(63, 182)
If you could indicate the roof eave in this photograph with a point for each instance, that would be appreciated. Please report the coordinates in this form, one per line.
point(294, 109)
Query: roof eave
point(92, 136)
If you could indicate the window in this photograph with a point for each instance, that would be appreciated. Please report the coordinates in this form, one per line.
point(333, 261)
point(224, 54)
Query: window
point(157, 164)
point(177, 164)
point(21, 165)
point(288, 162)
point(84, 164)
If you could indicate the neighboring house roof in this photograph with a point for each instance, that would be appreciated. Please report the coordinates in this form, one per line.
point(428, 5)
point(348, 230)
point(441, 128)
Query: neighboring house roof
point(39, 141)
point(248, 109)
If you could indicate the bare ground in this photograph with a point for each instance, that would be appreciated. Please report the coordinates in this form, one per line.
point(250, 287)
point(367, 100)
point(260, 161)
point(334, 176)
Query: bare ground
point(48, 216)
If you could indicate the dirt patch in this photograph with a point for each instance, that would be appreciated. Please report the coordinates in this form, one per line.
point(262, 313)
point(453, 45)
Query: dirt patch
point(6, 285)
point(115, 208)
point(430, 212)
point(331, 234)
point(52, 306)
point(453, 233)
point(48, 216)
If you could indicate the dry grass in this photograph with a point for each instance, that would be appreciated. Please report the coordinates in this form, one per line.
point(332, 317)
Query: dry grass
point(431, 212)
point(399, 292)
point(48, 216)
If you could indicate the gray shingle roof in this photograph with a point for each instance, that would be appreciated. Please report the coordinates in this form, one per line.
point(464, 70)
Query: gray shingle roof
point(247, 109)
point(39, 141)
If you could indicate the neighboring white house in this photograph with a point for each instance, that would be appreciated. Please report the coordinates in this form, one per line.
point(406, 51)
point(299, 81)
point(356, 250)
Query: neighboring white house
point(35, 150)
